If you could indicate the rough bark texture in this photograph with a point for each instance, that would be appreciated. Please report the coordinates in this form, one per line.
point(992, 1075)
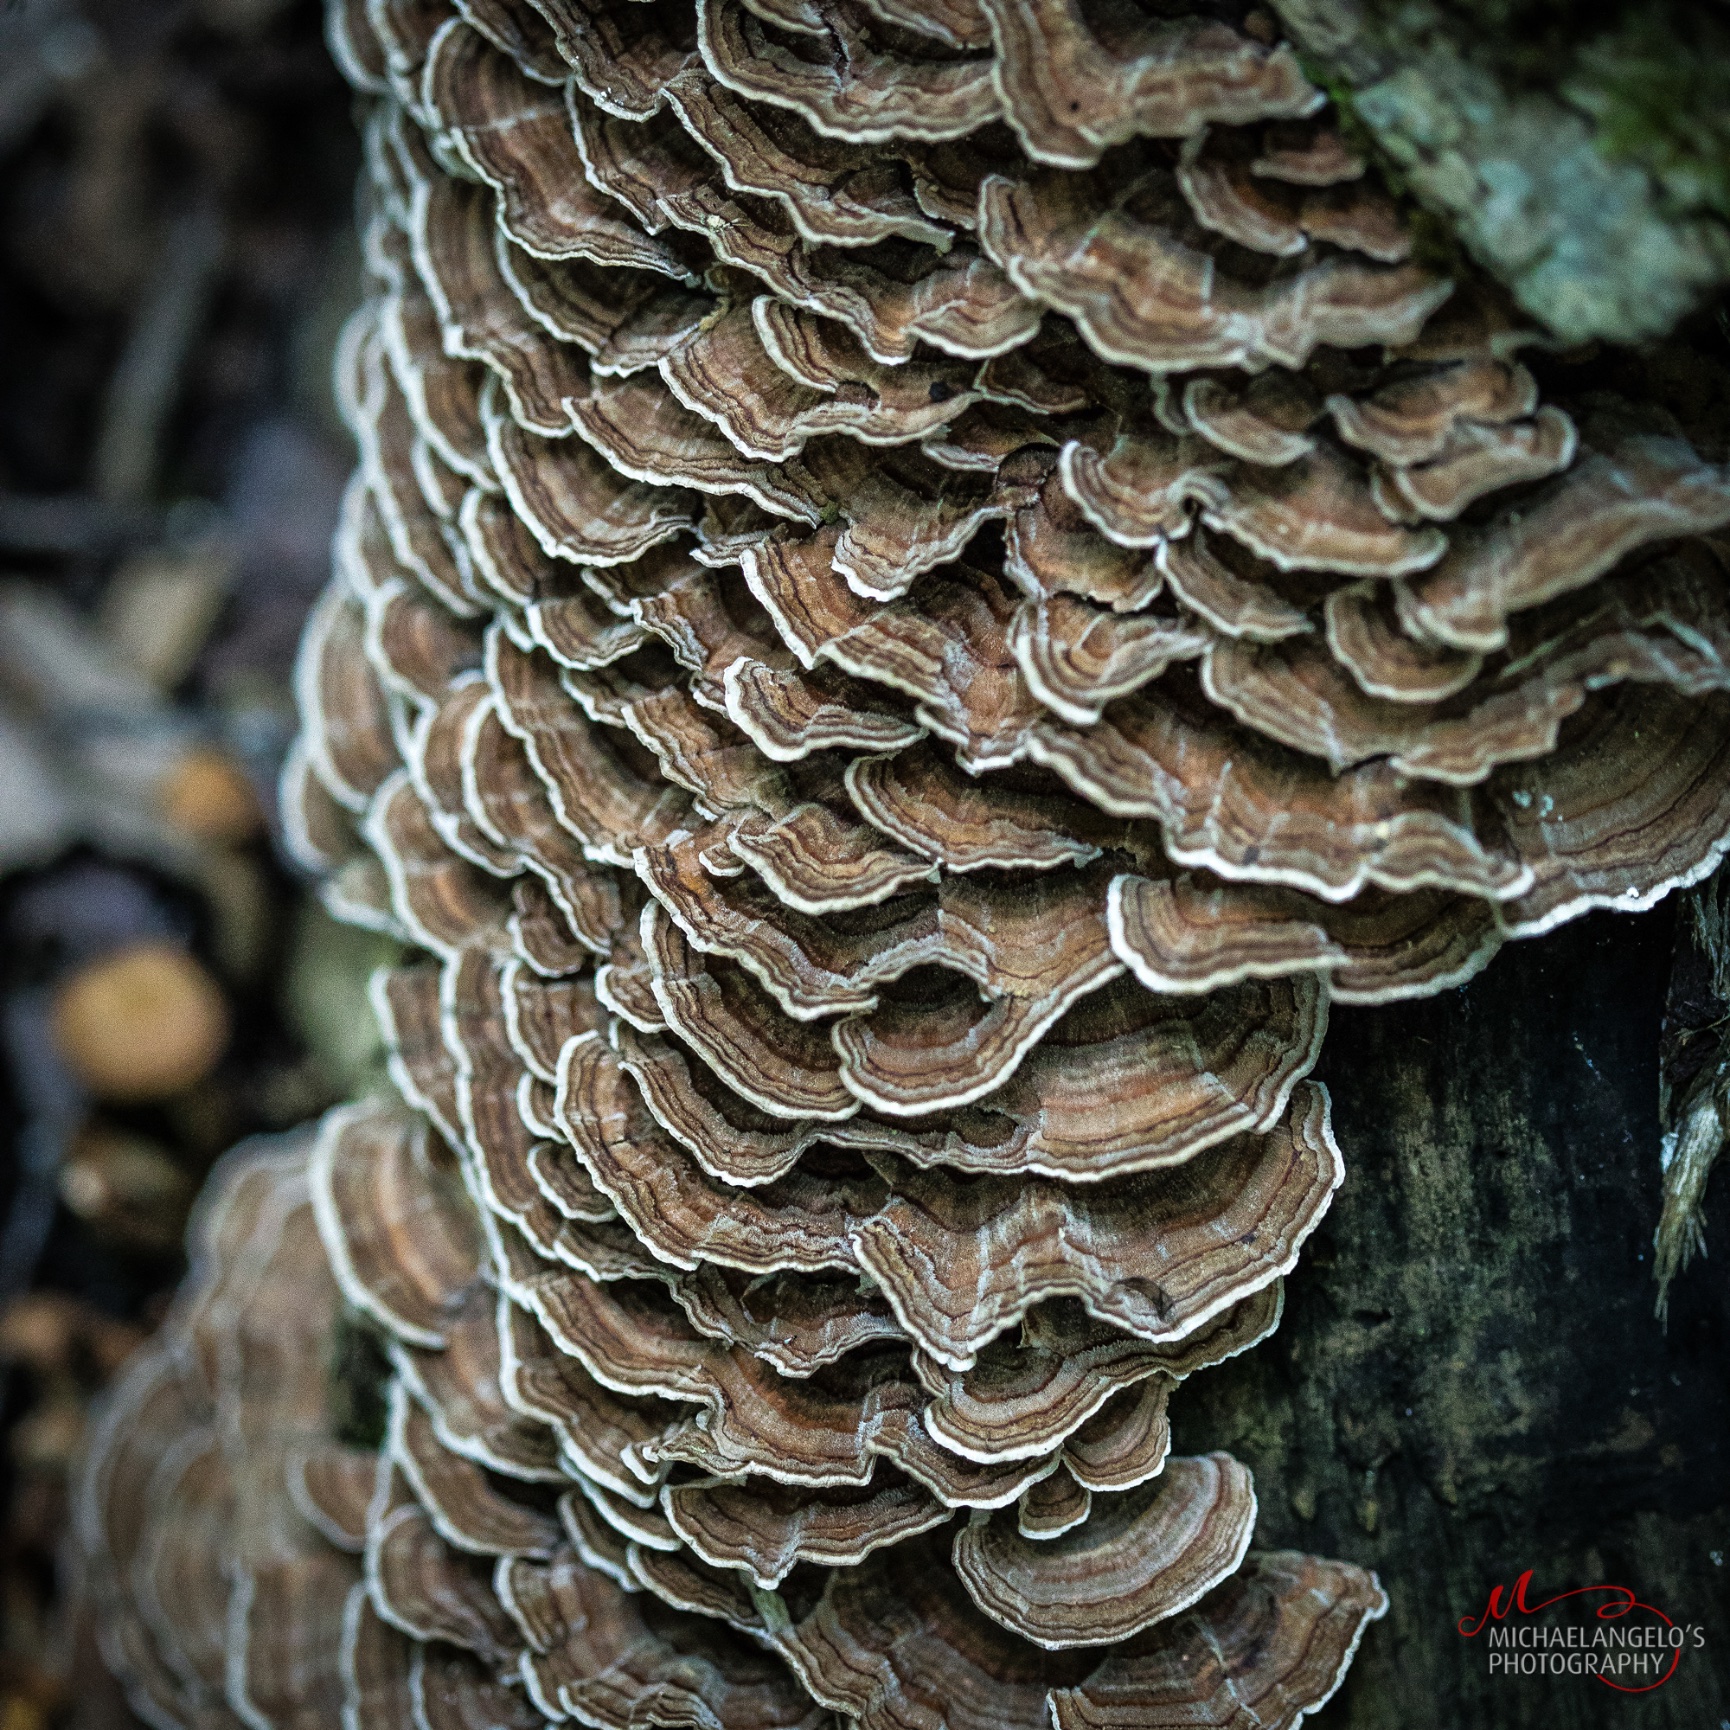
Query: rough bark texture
point(1578, 149)
point(1470, 1380)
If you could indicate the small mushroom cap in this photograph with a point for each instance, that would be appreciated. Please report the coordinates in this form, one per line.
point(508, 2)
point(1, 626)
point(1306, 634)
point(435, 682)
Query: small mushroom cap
point(1276, 1640)
point(444, 902)
point(541, 935)
point(450, 1690)
point(144, 1023)
point(1078, 657)
point(403, 1242)
point(331, 1486)
point(786, 1067)
point(1144, 297)
point(1071, 89)
point(1613, 501)
point(602, 1432)
point(468, 1507)
point(348, 733)
point(841, 80)
point(1189, 935)
point(1052, 548)
point(767, 1530)
point(684, 1581)
point(1053, 1388)
point(1137, 1558)
point(1621, 840)
point(1234, 804)
point(1365, 638)
point(1206, 575)
point(1051, 1507)
point(406, 1003)
point(730, 1138)
point(355, 46)
point(427, 1589)
point(610, 1658)
point(1125, 1443)
point(1306, 155)
point(960, 1261)
point(542, 1015)
point(459, 1387)
point(1266, 421)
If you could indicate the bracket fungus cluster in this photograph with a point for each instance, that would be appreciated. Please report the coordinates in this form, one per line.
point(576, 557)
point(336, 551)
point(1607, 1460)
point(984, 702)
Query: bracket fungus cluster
point(929, 581)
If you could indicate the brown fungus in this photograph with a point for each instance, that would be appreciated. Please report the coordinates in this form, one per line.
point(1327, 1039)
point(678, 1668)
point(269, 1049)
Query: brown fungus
point(926, 586)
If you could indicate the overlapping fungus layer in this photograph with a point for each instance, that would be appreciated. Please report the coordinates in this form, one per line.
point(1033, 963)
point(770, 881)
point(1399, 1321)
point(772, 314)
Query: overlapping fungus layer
point(928, 582)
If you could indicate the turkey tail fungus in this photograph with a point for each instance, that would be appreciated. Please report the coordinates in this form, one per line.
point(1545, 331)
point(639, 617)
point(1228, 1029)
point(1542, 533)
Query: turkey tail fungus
point(928, 582)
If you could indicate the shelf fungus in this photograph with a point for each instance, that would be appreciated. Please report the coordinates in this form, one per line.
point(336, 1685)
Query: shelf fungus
point(928, 583)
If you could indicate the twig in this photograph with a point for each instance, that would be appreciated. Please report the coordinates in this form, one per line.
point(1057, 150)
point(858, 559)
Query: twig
point(54, 1105)
point(142, 393)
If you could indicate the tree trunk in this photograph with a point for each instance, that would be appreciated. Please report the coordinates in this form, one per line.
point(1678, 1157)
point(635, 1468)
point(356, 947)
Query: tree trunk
point(1470, 1380)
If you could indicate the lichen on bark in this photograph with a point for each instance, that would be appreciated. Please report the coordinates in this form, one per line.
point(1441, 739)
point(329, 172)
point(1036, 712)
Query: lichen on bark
point(1580, 153)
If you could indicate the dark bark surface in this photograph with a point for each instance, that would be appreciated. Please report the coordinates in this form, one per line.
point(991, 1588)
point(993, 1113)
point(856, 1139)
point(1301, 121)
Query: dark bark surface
point(1469, 1380)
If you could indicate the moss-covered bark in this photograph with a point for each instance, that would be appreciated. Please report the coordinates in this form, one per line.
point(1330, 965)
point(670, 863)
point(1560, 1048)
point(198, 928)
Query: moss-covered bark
point(1578, 149)
point(1470, 1380)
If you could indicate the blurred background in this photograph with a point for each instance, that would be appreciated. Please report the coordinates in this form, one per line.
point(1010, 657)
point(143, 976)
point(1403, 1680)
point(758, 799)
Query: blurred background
point(176, 258)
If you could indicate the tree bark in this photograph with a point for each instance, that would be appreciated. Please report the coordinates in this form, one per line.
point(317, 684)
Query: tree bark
point(1470, 1380)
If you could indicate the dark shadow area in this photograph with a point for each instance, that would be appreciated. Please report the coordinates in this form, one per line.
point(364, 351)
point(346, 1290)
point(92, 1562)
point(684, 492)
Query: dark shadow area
point(1470, 1380)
